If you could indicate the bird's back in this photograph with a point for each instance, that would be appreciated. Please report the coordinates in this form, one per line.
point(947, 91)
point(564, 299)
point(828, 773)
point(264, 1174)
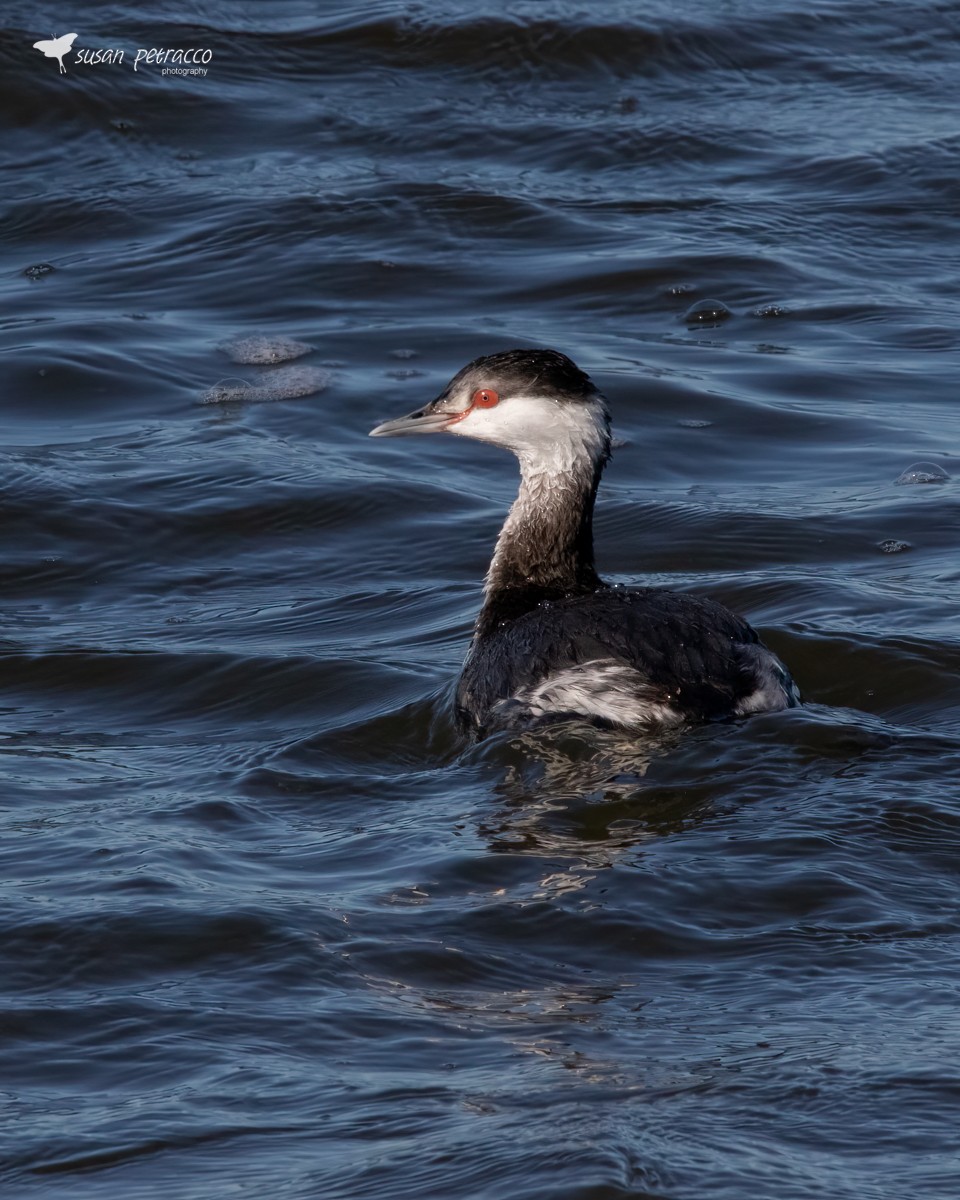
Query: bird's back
point(621, 656)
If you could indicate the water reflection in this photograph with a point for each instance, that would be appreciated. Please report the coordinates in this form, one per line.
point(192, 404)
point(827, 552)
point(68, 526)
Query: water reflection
point(593, 796)
point(575, 789)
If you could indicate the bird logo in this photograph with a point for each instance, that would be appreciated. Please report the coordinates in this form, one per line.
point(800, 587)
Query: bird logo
point(56, 48)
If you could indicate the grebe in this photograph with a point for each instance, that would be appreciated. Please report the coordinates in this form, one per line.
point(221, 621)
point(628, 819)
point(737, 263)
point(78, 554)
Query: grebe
point(552, 639)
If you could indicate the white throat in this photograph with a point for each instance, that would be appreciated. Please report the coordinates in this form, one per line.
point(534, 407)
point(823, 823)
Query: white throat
point(546, 541)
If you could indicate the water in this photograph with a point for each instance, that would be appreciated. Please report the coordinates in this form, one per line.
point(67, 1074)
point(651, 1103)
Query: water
point(268, 926)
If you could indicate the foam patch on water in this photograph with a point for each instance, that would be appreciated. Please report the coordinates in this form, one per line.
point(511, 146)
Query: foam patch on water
point(263, 349)
point(287, 383)
point(923, 472)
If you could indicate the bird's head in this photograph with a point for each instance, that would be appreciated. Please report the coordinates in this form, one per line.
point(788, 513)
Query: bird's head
point(537, 403)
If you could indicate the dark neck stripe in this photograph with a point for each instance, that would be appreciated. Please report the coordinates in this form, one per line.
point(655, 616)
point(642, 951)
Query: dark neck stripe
point(545, 551)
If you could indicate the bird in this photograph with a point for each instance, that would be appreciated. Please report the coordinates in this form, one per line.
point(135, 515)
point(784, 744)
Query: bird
point(57, 48)
point(553, 641)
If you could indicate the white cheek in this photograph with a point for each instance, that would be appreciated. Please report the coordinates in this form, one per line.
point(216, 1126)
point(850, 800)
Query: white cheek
point(513, 422)
point(536, 429)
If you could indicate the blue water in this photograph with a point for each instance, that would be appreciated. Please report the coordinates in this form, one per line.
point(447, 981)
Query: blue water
point(268, 927)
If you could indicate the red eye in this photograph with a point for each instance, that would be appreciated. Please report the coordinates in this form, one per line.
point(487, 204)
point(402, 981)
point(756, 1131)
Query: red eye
point(485, 398)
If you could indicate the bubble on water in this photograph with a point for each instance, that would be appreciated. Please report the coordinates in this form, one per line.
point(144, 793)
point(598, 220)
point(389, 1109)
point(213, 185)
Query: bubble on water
point(768, 311)
point(38, 270)
point(923, 472)
point(403, 373)
point(287, 383)
point(893, 546)
point(263, 348)
point(681, 289)
point(707, 312)
point(403, 354)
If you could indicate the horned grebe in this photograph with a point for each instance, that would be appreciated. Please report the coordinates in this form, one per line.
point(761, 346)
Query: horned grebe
point(552, 639)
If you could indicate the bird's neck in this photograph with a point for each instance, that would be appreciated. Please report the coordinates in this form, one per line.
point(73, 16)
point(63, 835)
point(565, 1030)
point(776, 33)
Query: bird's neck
point(545, 548)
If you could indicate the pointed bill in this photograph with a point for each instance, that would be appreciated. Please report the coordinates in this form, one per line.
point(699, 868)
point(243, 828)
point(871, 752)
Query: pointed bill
point(424, 420)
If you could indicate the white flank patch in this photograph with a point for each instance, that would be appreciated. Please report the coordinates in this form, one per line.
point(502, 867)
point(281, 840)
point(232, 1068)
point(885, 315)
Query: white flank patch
point(601, 688)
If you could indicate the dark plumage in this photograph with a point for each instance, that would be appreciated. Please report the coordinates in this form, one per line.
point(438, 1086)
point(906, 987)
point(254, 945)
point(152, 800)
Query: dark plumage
point(552, 640)
point(695, 655)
